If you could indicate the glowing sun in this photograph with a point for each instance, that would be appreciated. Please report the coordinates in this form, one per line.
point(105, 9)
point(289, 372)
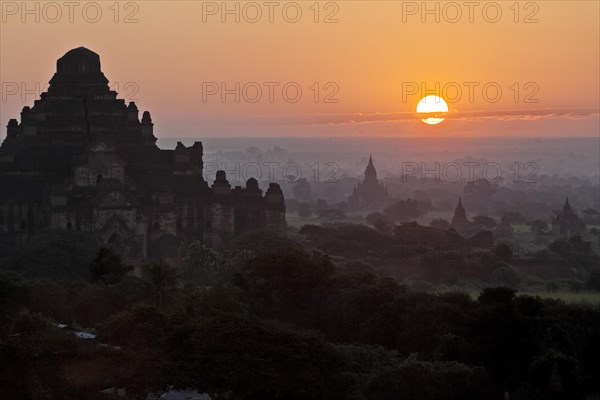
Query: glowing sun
point(434, 107)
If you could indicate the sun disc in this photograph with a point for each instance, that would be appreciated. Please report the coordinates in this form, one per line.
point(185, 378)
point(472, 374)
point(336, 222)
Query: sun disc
point(434, 107)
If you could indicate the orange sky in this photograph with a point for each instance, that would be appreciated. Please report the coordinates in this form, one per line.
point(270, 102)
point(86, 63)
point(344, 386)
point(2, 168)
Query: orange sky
point(374, 51)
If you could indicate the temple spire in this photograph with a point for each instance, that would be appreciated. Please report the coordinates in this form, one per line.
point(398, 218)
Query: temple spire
point(79, 66)
point(567, 206)
point(460, 215)
point(371, 194)
point(370, 171)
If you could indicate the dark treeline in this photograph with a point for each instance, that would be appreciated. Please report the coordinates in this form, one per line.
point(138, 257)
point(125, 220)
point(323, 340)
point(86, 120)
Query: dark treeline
point(287, 324)
point(429, 257)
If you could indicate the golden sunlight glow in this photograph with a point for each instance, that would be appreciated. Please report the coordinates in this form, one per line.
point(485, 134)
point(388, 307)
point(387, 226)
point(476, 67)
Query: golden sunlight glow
point(435, 106)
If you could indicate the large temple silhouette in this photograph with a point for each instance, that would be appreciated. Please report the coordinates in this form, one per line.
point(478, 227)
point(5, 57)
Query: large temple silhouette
point(371, 194)
point(81, 159)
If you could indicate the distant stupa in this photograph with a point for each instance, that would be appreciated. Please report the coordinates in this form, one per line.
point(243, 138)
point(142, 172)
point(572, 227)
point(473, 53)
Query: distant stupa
point(371, 194)
point(460, 216)
point(567, 222)
point(504, 229)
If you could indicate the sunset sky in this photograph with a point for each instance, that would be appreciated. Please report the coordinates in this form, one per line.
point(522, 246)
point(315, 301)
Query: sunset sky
point(372, 55)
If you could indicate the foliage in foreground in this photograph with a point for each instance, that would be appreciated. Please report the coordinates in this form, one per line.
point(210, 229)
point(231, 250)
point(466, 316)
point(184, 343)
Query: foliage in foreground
point(292, 325)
